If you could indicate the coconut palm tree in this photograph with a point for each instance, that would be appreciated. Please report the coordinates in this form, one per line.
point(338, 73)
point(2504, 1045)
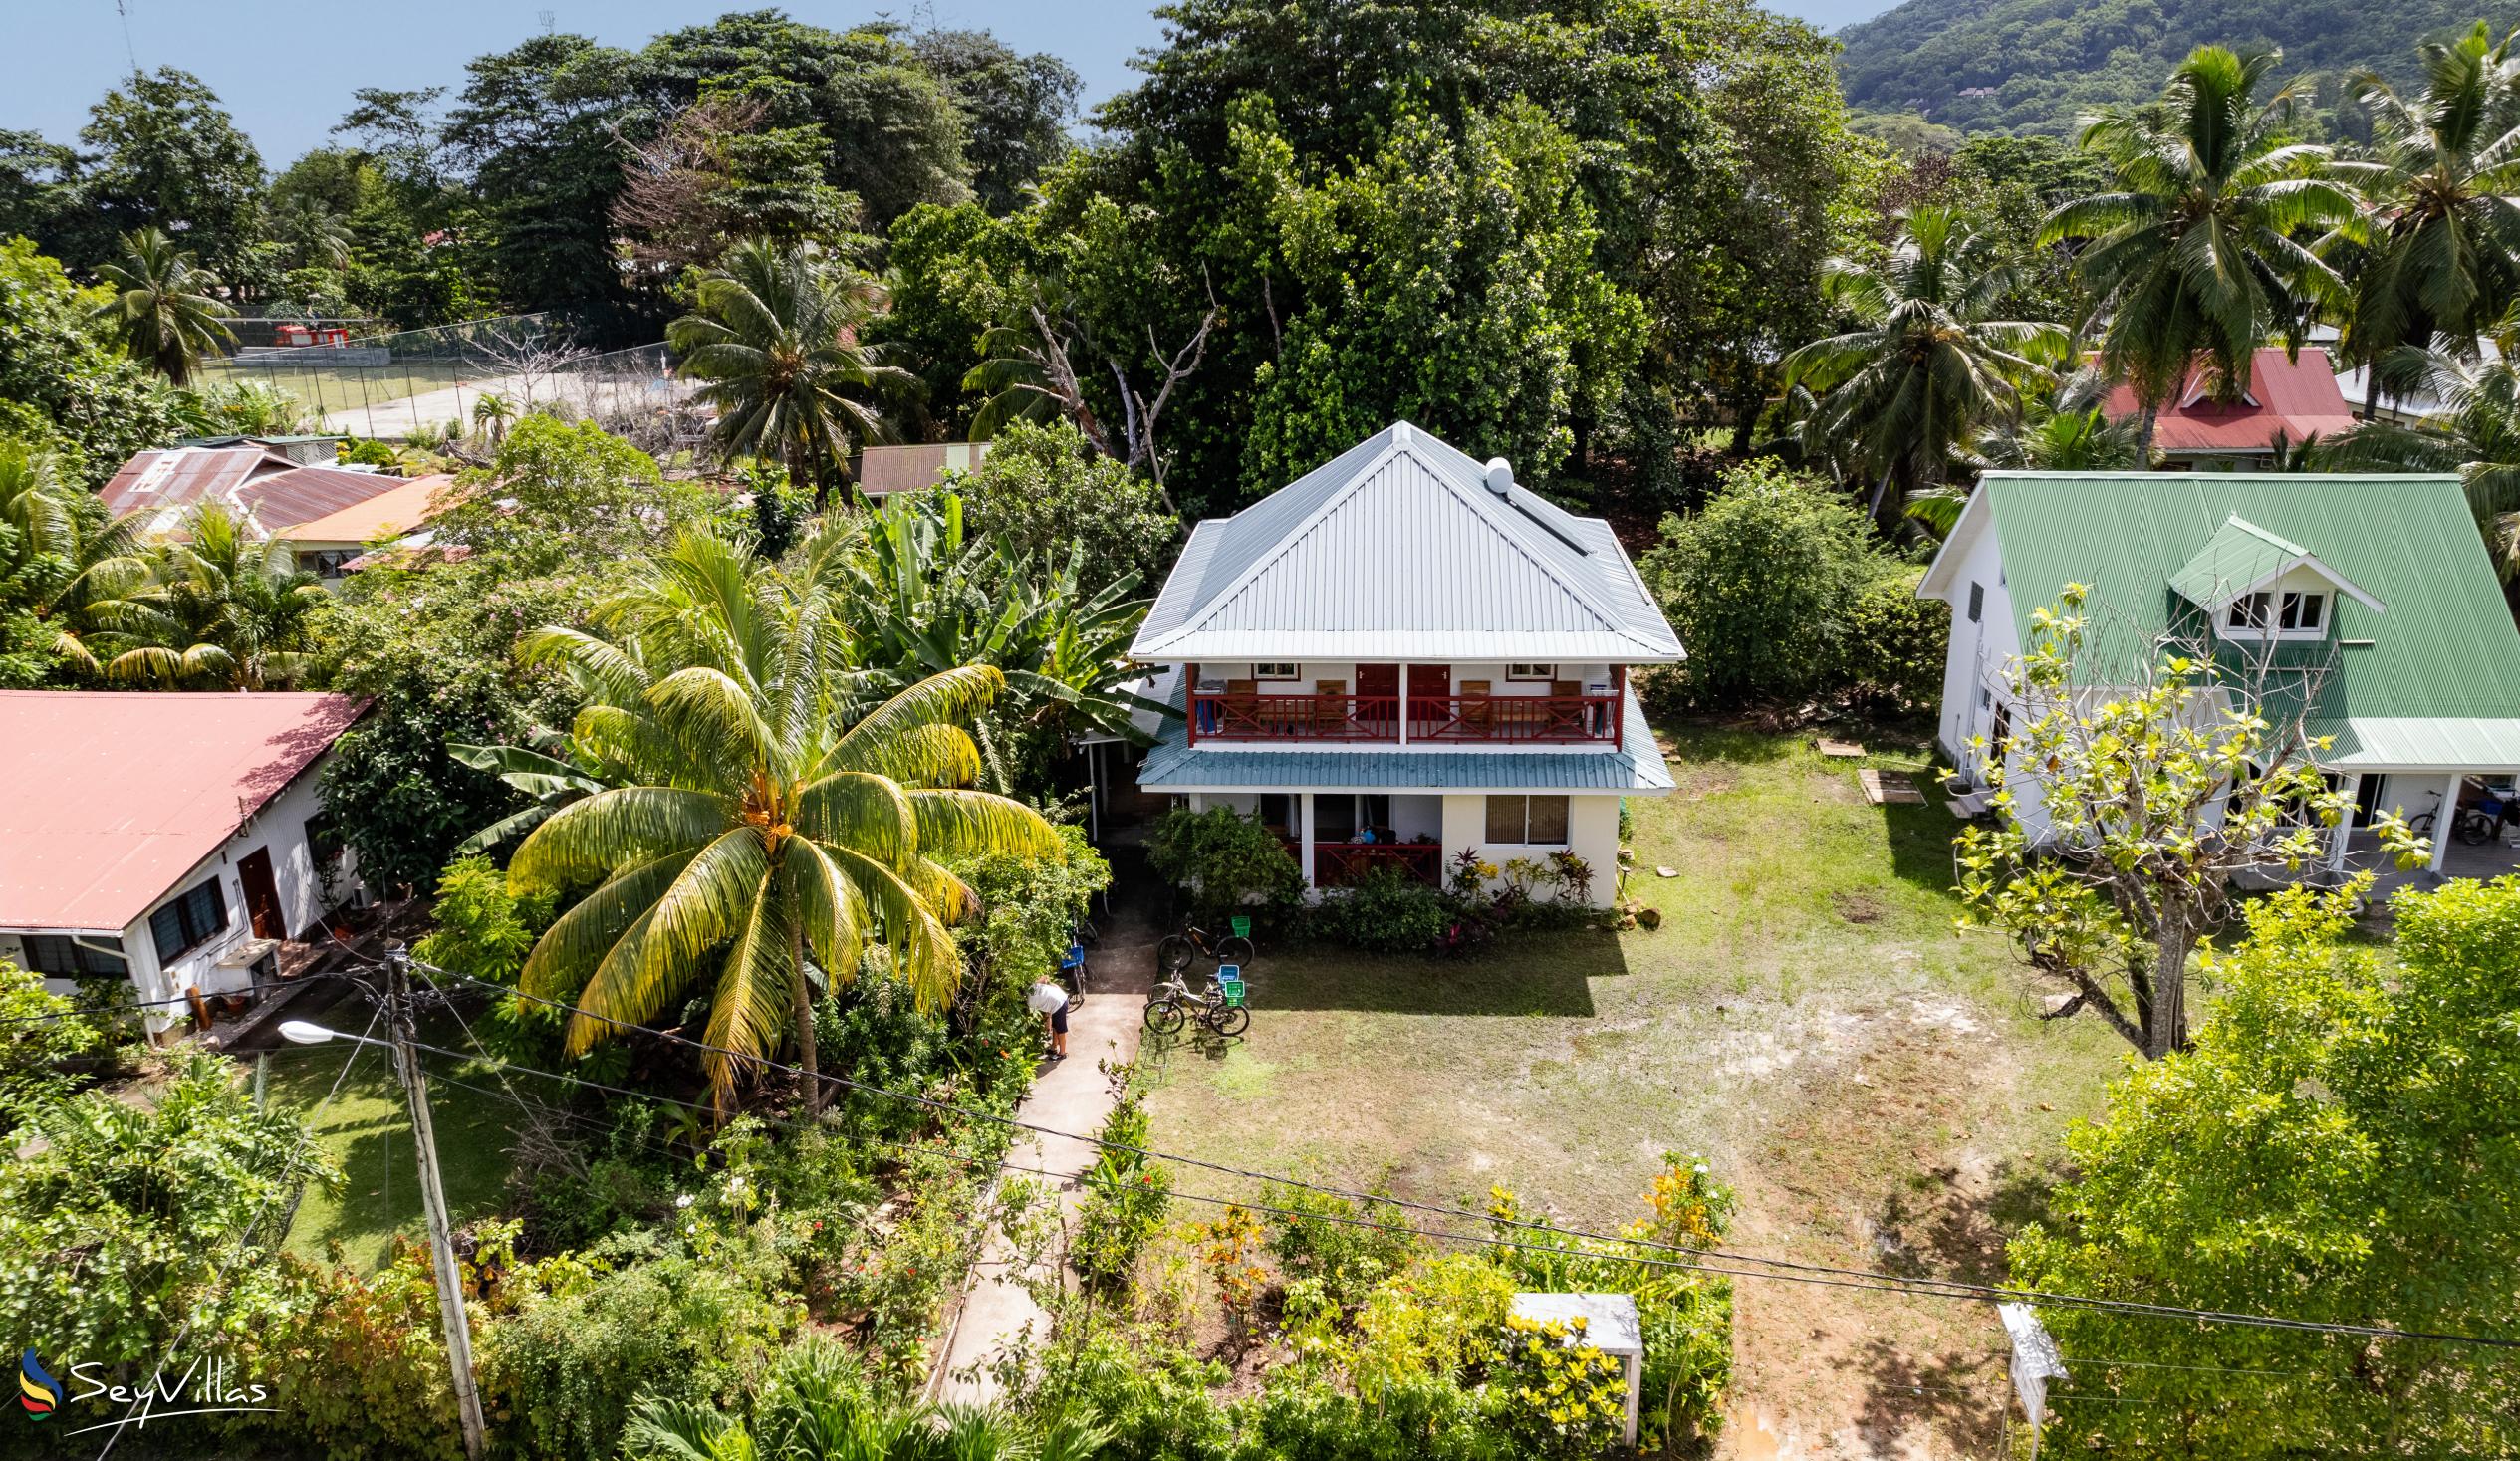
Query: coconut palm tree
point(316, 235)
point(61, 558)
point(775, 340)
point(2441, 225)
point(2471, 427)
point(2194, 255)
point(166, 308)
point(492, 412)
point(218, 611)
point(1929, 367)
point(752, 828)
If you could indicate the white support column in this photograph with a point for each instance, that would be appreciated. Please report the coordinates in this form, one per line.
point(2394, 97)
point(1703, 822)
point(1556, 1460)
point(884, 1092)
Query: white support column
point(1304, 834)
point(1199, 802)
point(1403, 702)
point(2444, 820)
point(2345, 826)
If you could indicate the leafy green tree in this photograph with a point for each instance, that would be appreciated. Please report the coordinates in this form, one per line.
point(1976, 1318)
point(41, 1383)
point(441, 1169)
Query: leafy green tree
point(38, 1031)
point(2442, 187)
point(1016, 108)
point(166, 308)
point(2193, 256)
point(1927, 369)
point(2472, 428)
point(774, 339)
point(2151, 803)
point(63, 384)
point(1043, 491)
point(531, 134)
point(557, 494)
point(63, 568)
point(1449, 282)
point(1224, 860)
point(1759, 584)
point(948, 284)
point(171, 158)
point(2337, 1147)
point(753, 827)
point(121, 1221)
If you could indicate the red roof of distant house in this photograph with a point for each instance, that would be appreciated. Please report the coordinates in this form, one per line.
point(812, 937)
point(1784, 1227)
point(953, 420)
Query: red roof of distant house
point(275, 492)
point(401, 507)
point(109, 797)
point(2297, 397)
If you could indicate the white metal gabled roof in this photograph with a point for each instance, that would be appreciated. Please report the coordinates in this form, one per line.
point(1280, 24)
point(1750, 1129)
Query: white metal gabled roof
point(1397, 550)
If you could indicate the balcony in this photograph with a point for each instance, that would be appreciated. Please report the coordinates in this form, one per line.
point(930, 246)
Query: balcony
point(1344, 864)
point(1445, 720)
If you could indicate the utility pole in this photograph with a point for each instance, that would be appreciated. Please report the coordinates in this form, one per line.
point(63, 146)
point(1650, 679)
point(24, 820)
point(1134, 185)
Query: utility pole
point(450, 1286)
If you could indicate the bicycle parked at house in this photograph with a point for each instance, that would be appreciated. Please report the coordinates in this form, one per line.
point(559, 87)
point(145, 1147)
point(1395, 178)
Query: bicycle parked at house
point(1178, 950)
point(1073, 973)
point(1219, 1006)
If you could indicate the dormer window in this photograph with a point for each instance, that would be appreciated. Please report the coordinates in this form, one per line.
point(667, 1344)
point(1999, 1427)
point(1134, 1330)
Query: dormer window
point(2302, 613)
point(2294, 613)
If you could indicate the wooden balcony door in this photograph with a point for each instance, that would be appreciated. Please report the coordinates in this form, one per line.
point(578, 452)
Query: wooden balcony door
point(1377, 696)
point(1428, 681)
point(262, 893)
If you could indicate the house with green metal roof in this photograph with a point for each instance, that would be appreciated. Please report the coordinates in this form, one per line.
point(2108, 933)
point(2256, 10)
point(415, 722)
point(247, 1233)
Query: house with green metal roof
point(2371, 596)
point(1403, 654)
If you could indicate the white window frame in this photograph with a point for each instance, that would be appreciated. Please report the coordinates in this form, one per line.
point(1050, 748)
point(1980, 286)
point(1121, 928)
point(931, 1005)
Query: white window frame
point(2260, 614)
point(1487, 822)
point(1534, 673)
point(1277, 670)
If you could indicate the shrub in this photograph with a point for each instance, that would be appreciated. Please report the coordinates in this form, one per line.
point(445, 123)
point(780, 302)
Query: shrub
point(1554, 1394)
point(1046, 492)
point(1386, 911)
point(1758, 586)
point(1224, 860)
point(1896, 643)
point(1331, 1240)
point(1126, 1199)
point(1031, 906)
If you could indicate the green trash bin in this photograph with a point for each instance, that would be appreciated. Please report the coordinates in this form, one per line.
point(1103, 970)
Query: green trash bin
point(1229, 981)
point(1242, 926)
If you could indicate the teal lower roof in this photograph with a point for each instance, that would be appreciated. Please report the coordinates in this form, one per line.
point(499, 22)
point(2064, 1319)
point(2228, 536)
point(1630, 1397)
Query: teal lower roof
point(1636, 768)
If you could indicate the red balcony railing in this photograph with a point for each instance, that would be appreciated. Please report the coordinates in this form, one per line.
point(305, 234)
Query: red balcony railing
point(1526, 719)
point(1340, 865)
point(1227, 717)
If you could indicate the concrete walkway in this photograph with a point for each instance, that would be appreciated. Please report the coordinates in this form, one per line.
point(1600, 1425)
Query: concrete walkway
point(1070, 1095)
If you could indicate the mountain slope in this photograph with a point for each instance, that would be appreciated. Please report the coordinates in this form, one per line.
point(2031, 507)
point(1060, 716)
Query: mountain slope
point(2033, 66)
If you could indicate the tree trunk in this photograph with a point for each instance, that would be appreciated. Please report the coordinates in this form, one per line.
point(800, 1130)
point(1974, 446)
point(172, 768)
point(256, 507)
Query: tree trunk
point(2144, 434)
point(803, 994)
point(2166, 1030)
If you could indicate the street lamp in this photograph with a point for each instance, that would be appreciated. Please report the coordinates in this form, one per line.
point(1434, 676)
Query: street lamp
point(307, 1032)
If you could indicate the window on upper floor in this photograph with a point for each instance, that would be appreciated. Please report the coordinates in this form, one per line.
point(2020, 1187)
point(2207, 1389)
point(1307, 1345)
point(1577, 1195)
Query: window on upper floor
point(65, 957)
point(1977, 602)
point(1277, 670)
point(190, 921)
point(1527, 820)
point(1531, 672)
point(2302, 611)
point(2289, 612)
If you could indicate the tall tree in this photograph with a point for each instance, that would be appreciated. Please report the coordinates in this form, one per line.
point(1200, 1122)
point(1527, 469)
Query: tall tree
point(2442, 229)
point(171, 158)
point(756, 831)
point(220, 611)
point(166, 308)
point(2194, 257)
point(1016, 108)
point(1927, 369)
point(774, 339)
point(62, 382)
point(2336, 1148)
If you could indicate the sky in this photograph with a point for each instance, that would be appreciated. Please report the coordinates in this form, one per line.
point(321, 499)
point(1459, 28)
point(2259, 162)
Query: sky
point(287, 68)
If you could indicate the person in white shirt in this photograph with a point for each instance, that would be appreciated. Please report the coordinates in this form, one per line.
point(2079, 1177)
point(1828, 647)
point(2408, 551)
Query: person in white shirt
point(1050, 1001)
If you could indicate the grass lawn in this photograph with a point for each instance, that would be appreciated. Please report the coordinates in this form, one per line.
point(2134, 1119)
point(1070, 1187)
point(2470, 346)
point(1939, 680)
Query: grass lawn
point(347, 388)
point(1873, 1082)
point(368, 1131)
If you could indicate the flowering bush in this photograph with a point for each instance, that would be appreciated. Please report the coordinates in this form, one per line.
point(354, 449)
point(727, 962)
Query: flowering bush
point(1566, 1398)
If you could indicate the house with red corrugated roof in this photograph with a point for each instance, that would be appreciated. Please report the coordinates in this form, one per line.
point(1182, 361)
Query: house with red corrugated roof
point(2294, 399)
point(325, 515)
point(172, 842)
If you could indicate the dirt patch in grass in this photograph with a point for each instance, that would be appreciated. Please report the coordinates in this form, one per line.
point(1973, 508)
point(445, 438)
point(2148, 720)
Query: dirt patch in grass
point(1857, 907)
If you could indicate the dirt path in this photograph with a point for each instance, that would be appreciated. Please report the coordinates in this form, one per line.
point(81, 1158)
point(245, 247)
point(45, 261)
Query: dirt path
point(1070, 1095)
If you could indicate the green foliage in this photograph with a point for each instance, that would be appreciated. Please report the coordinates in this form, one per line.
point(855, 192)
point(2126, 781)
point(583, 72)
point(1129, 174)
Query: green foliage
point(1569, 1400)
point(166, 308)
point(1386, 911)
point(1347, 1247)
point(169, 153)
point(2337, 1147)
point(1030, 907)
point(480, 927)
point(216, 610)
point(558, 495)
point(61, 383)
point(1127, 1195)
point(358, 1363)
point(38, 1031)
point(1895, 647)
point(119, 1222)
point(1048, 494)
point(1222, 859)
point(1760, 585)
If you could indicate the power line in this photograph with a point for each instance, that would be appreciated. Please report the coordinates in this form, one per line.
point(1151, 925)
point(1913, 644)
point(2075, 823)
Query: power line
point(1792, 1270)
point(1883, 1281)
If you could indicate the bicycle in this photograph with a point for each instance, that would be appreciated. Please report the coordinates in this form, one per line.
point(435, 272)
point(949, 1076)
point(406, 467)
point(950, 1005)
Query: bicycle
point(1171, 1005)
point(1177, 949)
point(1072, 973)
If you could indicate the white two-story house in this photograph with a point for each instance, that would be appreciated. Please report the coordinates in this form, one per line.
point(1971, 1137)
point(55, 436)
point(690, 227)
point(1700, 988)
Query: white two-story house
point(1403, 655)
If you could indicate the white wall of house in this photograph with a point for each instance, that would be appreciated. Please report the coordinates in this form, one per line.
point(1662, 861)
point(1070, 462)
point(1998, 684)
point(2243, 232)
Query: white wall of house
point(1980, 646)
point(281, 829)
point(1592, 834)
